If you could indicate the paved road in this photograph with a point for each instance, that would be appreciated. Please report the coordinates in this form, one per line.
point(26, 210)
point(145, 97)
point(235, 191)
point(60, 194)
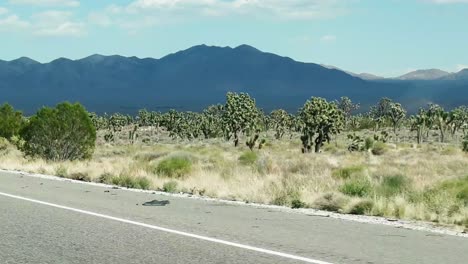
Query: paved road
point(114, 226)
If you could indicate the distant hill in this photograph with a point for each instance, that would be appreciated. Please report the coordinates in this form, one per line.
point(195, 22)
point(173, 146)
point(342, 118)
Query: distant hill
point(431, 74)
point(197, 77)
point(364, 76)
point(458, 76)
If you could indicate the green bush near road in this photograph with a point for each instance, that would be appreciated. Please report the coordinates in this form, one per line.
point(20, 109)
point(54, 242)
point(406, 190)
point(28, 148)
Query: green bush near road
point(65, 132)
point(11, 121)
point(174, 167)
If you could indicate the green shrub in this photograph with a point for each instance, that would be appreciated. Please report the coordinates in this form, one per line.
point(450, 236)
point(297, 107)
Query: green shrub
point(131, 182)
point(123, 180)
point(379, 148)
point(285, 193)
point(248, 158)
point(465, 144)
point(361, 207)
point(393, 185)
point(79, 176)
point(463, 195)
point(11, 121)
point(360, 187)
point(61, 171)
point(143, 183)
point(174, 167)
point(447, 194)
point(150, 156)
point(4, 145)
point(369, 143)
point(105, 178)
point(333, 202)
point(347, 172)
point(450, 150)
point(170, 187)
point(65, 132)
point(296, 204)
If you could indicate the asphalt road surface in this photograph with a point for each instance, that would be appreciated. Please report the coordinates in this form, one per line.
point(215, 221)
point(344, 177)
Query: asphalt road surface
point(48, 221)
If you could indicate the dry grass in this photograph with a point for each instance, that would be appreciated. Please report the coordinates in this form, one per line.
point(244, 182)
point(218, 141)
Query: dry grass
point(280, 174)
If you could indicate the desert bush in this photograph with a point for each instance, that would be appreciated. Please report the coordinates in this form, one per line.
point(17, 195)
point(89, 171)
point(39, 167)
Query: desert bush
point(446, 195)
point(4, 145)
point(357, 186)
point(300, 166)
point(80, 176)
point(333, 202)
point(65, 132)
point(393, 185)
point(297, 203)
point(465, 144)
point(61, 171)
point(150, 156)
point(11, 121)
point(450, 150)
point(347, 172)
point(248, 158)
point(462, 194)
point(106, 178)
point(369, 143)
point(174, 167)
point(143, 183)
point(285, 193)
point(360, 207)
point(131, 182)
point(379, 148)
point(170, 187)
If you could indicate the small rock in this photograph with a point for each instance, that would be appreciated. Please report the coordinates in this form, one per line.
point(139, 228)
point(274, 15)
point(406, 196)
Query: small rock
point(106, 191)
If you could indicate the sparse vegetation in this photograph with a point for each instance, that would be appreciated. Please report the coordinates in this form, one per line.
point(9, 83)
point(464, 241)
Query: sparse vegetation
point(170, 187)
point(248, 158)
point(414, 173)
point(174, 167)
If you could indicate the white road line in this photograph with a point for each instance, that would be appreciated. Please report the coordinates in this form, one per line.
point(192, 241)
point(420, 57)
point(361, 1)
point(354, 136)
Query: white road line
point(172, 231)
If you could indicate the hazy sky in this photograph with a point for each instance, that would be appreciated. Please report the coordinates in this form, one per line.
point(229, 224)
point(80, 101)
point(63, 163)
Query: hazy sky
point(385, 37)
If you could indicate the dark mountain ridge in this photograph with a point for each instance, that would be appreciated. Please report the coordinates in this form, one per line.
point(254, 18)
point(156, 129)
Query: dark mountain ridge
point(199, 76)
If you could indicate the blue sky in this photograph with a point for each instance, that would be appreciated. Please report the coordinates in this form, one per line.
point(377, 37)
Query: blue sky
point(384, 37)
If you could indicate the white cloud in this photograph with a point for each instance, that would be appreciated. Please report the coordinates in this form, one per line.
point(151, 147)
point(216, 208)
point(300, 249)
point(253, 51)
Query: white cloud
point(67, 3)
point(461, 67)
point(3, 10)
point(286, 9)
point(64, 29)
point(449, 1)
point(57, 23)
point(328, 38)
point(100, 19)
point(140, 14)
point(13, 23)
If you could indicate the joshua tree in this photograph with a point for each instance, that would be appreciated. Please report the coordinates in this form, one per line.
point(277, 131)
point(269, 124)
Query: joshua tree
point(240, 115)
point(440, 119)
point(281, 122)
point(320, 119)
point(347, 107)
point(420, 123)
point(458, 119)
point(380, 112)
point(211, 121)
point(396, 113)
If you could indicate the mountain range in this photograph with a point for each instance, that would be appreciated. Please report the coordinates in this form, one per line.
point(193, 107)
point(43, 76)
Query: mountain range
point(194, 78)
